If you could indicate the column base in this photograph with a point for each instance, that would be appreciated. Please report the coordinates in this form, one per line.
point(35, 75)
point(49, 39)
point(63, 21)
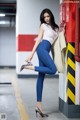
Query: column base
point(71, 111)
point(34, 76)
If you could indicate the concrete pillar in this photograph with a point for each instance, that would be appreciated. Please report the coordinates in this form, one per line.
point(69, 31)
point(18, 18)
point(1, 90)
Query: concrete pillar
point(69, 81)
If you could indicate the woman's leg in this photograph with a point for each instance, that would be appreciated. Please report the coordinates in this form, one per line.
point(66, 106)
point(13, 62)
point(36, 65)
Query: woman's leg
point(46, 59)
point(49, 66)
point(39, 87)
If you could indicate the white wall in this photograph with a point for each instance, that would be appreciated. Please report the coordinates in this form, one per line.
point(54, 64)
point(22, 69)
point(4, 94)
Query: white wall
point(7, 46)
point(77, 83)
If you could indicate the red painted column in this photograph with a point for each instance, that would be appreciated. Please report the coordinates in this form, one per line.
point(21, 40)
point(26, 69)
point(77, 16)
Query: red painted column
point(70, 22)
point(70, 104)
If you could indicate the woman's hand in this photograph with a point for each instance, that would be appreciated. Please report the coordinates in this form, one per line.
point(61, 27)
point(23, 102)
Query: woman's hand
point(29, 58)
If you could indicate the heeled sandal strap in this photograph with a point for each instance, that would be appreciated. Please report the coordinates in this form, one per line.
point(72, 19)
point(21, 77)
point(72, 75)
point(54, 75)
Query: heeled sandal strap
point(41, 113)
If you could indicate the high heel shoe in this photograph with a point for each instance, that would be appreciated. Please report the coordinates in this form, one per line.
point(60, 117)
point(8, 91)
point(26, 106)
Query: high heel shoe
point(23, 66)
point(37, 110)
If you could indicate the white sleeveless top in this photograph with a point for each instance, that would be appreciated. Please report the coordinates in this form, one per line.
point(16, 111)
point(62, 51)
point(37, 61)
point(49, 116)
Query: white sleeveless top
point(49, 33)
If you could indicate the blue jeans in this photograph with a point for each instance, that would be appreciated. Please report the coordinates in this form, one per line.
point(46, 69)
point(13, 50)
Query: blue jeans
point(46, 66)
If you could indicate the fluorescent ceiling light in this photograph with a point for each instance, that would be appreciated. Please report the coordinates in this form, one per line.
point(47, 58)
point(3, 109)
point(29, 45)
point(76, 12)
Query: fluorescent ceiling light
point(4, 22)
point(2, 15)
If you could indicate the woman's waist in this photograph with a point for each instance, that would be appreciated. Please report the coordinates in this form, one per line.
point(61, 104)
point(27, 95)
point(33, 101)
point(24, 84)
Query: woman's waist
point(45, 44)
point(46, 41)
point(49, 40)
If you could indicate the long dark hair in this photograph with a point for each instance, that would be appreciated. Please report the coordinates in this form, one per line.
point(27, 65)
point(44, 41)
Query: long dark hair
point(52, 20)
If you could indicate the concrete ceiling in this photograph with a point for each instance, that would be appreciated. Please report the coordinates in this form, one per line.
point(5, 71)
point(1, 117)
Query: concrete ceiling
point(7, 1)
point(7, 7)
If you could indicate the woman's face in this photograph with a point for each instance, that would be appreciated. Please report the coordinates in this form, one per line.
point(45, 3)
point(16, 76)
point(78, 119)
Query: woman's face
point(46, 17)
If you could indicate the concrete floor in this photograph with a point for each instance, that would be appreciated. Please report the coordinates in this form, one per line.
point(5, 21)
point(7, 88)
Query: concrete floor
point(18, 97)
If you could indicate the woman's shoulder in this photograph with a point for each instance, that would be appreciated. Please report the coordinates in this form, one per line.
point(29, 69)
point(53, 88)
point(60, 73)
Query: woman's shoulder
point(43, 25)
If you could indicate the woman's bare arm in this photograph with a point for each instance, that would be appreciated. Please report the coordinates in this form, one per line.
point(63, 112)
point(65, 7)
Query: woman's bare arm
point(39, 38)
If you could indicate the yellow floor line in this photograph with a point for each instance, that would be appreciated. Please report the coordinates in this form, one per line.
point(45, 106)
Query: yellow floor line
point(20, 104)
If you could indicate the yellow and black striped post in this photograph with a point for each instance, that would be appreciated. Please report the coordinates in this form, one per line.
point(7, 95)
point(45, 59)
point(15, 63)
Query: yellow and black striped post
point(70, 93)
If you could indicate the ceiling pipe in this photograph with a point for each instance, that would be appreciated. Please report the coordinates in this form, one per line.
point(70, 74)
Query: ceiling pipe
point(11, 4)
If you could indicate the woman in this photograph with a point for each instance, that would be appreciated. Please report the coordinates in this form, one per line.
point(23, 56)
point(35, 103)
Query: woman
point(46, 37)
